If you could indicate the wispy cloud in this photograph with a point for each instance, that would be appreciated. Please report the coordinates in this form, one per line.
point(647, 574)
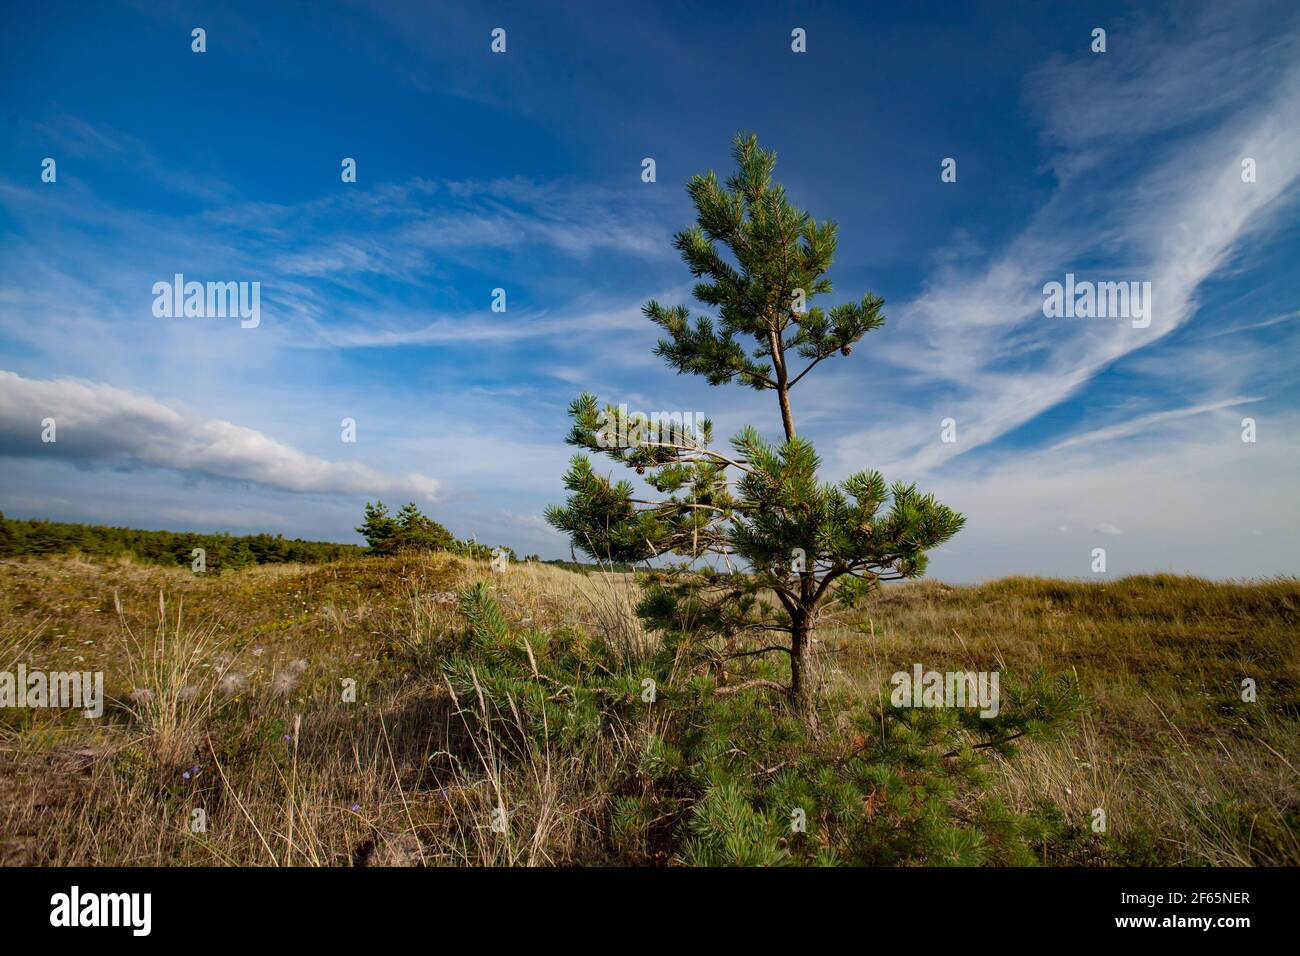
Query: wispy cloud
point(1266, 324)
point(1142, 200)
point(73, 138)
point(1142, 423)
point(584, 321)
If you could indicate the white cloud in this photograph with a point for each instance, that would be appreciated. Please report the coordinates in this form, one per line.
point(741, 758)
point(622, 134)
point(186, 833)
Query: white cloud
point(1192, 502)
point(99, 423)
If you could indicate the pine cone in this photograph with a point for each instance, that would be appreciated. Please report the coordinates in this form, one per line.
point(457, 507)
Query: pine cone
point(846, 349)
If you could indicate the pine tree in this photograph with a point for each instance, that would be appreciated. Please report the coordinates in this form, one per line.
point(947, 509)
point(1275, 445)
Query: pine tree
point(417, 530)
point(811, 544)
point(238, 555)
point(379, 529)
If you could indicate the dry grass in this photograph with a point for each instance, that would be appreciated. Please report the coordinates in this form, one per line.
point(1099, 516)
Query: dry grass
point(1168, 749)
point(242, 716)
point(246, 673)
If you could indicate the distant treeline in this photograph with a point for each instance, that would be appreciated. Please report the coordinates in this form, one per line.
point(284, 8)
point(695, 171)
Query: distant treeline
point(583, 567)
point(221, 551)
point(231, 552)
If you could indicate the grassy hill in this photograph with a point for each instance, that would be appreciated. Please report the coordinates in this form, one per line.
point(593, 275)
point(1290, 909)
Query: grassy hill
point(527, 697)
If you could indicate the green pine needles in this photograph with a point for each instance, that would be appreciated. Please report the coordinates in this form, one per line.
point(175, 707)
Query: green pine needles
point(767, 547)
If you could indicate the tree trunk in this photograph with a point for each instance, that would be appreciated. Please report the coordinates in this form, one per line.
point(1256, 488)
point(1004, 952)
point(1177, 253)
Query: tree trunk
point(782, 389)
point(787, 416)
point(803, 684)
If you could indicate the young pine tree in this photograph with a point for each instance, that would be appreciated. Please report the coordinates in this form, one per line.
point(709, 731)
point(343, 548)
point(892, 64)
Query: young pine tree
point(418, 531)
point(412, 529)
point(759, 262)
point(379, 529)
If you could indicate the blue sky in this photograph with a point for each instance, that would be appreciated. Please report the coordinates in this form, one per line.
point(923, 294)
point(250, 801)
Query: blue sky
point(522, 171)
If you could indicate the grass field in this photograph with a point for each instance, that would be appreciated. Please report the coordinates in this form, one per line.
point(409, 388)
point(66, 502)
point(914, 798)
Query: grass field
point(226, 696)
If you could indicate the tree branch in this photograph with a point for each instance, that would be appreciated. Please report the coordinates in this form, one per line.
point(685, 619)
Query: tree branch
point(991, 743)
point(761, 650)
point(795, 381)
point(736, 688)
